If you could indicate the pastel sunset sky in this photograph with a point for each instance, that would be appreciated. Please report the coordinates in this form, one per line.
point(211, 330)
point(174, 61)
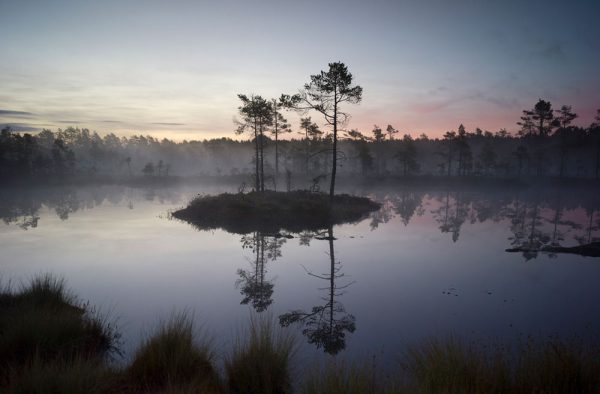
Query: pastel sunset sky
point(173, 68)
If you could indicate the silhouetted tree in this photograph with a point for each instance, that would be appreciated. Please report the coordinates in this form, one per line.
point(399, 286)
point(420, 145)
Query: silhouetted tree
point(257, 115)
point(280, 126)
point(540, 119)
point(128, 162)
point(448, 153)
point(407, 155)
point(362, 150)
point(564, 119)
point(595, 134)
point(148, 169)
point(465, 157)
point(522, 156)
point(325, 93)
point(378, 137)
point(390, 130)
point(63, 157)
point(311, 134)
point(488, 157)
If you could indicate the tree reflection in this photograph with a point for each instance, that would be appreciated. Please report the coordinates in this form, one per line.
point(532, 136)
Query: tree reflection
point(592, 224)
point(325, 325)
point(405, 203)
point(255, 288)
point(452, 214)
point(22, 206)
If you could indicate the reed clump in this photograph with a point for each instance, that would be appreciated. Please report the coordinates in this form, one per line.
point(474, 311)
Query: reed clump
point(261, 360)
point(50, 342)
point(174, 357)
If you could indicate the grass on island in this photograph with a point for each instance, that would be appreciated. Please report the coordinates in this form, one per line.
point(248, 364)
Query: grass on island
point(52, 343)
point(272, 211)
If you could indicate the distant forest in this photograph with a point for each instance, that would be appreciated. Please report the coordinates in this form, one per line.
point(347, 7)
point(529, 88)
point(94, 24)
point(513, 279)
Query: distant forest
point(547, 145)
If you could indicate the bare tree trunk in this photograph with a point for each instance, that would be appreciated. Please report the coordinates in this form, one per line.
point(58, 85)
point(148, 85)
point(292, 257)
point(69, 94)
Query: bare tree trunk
point(262, 166)
point(256, 178)
point(276, 158)
point(276, 150)
point(334, 149)
point(597, 160)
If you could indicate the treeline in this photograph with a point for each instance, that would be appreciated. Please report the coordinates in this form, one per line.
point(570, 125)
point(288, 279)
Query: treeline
point(547, 145)
point(75, 151)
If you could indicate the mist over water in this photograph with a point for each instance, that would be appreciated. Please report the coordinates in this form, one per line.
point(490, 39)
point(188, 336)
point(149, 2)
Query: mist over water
point(430, 262)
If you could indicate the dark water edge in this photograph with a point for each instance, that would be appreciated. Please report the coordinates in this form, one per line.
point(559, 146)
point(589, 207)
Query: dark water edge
point(53, 343)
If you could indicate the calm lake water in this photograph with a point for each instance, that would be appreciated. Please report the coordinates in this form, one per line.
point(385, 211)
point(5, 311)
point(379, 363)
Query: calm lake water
point(429, 263)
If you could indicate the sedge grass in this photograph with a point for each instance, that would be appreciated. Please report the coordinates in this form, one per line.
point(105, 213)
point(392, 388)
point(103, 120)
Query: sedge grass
point(261, 360)
point(174, 357)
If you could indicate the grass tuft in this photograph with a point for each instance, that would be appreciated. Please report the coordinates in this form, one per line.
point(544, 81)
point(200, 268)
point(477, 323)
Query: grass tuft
point(43, 321)
point(341, 378)
point(450, 365)
point(544, 366)
point(557, 366)
point(174, 358)
point(260, 362)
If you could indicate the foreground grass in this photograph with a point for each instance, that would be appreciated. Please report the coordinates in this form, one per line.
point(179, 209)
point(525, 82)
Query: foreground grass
point(453, 366)
point(43, 322)
point(174, 358)
point(261, 360)
point(272, 211)
point(51, 343)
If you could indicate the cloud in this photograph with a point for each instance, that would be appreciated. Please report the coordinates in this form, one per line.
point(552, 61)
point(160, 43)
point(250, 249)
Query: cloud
point(19, 127)
point(425, 107)
point(503, 102)
point(18, 114)
point(168, 124)
point(67, 121)
point(110, 121)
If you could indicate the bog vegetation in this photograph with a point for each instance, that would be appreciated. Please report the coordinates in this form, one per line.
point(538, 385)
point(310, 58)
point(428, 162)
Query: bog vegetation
point(270, 211)
point(53, 343)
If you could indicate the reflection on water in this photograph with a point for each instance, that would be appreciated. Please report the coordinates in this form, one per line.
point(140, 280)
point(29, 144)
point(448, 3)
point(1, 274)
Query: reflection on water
point(115, 246)
point(326, 325)
point(22, 207)
point(255, 288)
point(535, 218)
point(555, 217)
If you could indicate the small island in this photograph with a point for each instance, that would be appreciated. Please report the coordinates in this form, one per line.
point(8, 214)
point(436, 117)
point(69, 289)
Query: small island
point(272, 211)
point(591, 249)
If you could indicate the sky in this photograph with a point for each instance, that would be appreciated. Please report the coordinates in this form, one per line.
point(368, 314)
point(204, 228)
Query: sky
point(174, 68)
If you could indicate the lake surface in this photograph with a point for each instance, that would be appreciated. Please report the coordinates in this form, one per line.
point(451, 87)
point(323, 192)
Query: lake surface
point(429, 263)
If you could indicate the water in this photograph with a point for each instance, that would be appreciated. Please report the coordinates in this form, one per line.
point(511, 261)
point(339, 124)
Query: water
point(429, 263)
